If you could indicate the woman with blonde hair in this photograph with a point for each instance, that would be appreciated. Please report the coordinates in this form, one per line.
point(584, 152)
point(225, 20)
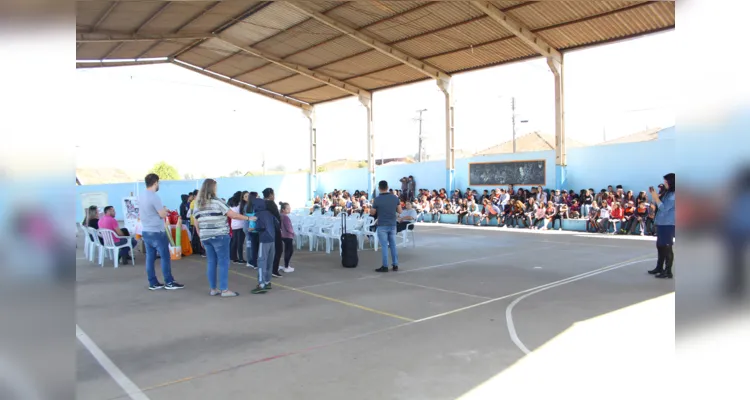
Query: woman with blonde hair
point(211, 216)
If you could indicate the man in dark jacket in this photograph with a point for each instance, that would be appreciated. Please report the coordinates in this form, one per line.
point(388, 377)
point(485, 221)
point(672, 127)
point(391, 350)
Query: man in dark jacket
point(270, 198)
point(265, 226)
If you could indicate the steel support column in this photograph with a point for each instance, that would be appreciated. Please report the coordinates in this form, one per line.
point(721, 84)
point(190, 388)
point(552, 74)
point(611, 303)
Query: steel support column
point(561, 160)
point(312, 179)
point(367, 102)
point(450, 156)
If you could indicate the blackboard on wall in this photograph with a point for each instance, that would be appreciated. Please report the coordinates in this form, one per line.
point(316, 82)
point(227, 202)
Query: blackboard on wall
point(526, 173)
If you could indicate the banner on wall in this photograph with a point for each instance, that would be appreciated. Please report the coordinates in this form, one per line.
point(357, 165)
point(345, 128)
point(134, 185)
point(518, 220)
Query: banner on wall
point(98, 199)
point(130, 214)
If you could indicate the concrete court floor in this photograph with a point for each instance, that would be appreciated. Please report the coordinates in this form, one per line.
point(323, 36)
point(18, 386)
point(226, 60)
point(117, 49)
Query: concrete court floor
point(434, 330)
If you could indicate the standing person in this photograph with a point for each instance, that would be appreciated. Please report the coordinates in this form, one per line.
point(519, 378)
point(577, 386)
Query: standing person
point(237, 240)
point(269, 197)
point(195, 241)
point(152, 213)
point(185, 207)
point(266, 226)
point(665, 227)
point(211, 215)
point(412, 188)
point(251, 242)
point(387, 207)
point(185, 211)
point(287, 235)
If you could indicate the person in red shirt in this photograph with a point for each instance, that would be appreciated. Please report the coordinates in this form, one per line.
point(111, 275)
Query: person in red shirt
point(629, 217)
point(108, 221)
point(618, 214)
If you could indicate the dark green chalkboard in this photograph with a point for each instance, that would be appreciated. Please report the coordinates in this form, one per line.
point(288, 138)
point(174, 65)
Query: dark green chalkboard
point(527, 173)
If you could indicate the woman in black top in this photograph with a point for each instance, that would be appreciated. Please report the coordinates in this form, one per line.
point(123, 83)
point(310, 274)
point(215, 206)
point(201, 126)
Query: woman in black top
point(587, 198)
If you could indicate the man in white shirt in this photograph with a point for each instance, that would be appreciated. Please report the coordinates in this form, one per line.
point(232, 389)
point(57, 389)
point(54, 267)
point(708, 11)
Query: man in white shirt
point(604, 218)
point(408, 215)
point(504, 198)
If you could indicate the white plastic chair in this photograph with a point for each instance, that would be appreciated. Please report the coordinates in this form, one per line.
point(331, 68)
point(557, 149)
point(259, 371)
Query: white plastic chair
point(86, 239)
point(110, 247)
point(364, 231)
point(333, 235)
point(93, 243)
point(323, 231)
point(408, 231)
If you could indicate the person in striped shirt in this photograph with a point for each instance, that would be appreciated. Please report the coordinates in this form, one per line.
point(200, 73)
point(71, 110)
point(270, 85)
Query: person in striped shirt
point(211, 216)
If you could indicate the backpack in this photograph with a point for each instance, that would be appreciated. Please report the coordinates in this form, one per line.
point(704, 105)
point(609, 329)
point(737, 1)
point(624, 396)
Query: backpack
point(349, 246)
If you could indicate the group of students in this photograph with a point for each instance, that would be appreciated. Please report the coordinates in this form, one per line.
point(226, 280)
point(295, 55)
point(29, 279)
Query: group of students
point(245, 230)
point(537, 208)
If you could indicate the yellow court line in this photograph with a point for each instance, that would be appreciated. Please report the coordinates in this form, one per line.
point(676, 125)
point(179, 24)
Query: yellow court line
point(320, 296)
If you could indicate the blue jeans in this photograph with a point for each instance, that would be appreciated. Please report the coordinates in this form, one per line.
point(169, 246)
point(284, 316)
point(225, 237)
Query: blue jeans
point(387, 239)
point(157, 241)
point(585, 210)
point(251, 244)
point(124, 251)
point(217, 253)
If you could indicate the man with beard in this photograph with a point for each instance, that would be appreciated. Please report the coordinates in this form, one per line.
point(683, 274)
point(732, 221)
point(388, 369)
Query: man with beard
point(152, 214)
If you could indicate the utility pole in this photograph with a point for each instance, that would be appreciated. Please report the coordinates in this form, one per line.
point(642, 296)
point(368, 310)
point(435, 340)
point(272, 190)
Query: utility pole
point(420, 154)
point(513, 120)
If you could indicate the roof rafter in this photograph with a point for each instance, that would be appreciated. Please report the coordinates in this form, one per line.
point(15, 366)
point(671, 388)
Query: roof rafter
point(302, 50)
point(181, 27)
point(520, 30)
point(296, 68)
point(147, 21)
point(271, 95)
point(98, 37)
point(224, 25)
point(369, 41)
point(103, 64)
point(426, 33)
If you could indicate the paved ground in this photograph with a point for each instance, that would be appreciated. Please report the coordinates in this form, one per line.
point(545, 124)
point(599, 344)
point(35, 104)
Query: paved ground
point(465, 306)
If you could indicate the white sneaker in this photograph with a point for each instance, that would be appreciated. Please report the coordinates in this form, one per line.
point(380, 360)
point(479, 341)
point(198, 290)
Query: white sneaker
point(288, 269)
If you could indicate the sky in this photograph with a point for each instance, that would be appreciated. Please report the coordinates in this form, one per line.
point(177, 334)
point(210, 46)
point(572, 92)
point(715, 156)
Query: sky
point(208, 128)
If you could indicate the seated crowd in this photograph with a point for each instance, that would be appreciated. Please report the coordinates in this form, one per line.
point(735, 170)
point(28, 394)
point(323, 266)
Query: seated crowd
point(610, 210)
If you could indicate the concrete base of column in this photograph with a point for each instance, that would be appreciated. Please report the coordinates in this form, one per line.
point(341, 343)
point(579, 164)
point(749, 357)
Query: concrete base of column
point(450, 180)
point(560, 177)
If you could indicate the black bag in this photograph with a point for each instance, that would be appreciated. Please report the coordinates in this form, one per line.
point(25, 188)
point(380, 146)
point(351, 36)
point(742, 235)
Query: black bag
point(349, 246)
point(195, 243)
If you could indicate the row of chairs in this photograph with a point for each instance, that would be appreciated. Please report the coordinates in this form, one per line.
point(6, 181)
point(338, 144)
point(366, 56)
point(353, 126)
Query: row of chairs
point(324, 228)
point(106, 247)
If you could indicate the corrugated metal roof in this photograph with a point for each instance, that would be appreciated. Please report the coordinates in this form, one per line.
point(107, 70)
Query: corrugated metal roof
point(453, 36)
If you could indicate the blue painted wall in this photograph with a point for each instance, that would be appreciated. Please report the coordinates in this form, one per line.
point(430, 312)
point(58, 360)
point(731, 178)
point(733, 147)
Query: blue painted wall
point(633, 165)
point(348, 179)
point(290, 188)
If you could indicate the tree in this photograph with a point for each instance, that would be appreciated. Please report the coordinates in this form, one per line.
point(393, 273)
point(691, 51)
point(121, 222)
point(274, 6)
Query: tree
point(236, 173)
point(188, 177)
point(321, 169)
point(165, 171)
point(362, 164)
point(249, 174)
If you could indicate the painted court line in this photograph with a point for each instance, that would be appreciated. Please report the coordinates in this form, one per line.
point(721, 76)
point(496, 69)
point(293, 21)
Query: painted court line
point(437, 289)
point(320, 296)
point(509, 310)
point(503, 254)
point(585, 274)
point(271, 358)
point(130, 388)
point(410, 322)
